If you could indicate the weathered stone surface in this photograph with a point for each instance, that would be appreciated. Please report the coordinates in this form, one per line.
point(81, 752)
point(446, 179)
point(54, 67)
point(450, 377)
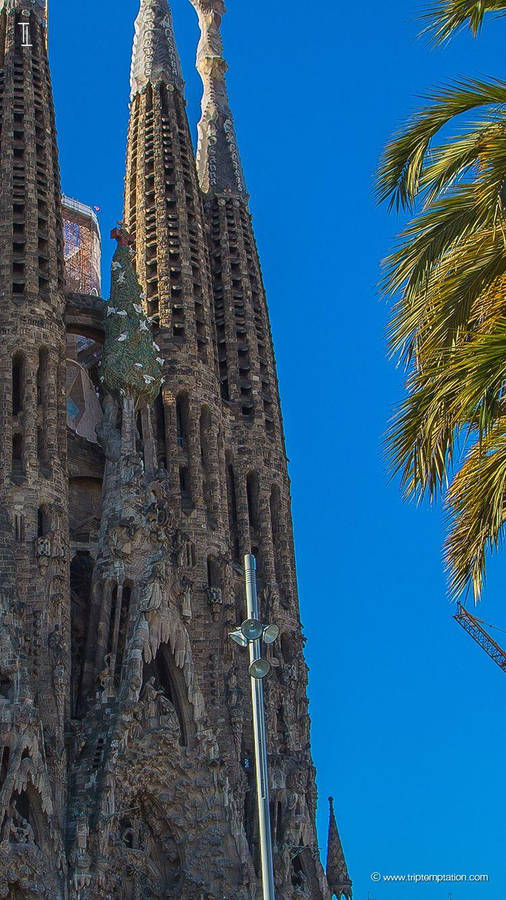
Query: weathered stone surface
point(126, 745)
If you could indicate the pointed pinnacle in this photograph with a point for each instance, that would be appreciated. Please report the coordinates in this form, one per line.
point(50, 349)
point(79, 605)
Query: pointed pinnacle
point(218, 160)
point(154, 57)
point(337, 871)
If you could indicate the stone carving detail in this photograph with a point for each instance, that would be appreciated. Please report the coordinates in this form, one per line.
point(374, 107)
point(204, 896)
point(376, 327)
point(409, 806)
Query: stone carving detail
point(218, 157)
point(215, 599)
point(155, 55)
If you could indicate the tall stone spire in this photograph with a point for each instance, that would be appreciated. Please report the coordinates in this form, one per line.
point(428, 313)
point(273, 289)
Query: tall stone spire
point(34, 538)
point(337, 870)
point(155, 57)
point(218, 160)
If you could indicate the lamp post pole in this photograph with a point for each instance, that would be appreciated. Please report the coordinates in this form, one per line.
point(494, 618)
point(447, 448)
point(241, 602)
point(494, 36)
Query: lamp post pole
point(262, 778)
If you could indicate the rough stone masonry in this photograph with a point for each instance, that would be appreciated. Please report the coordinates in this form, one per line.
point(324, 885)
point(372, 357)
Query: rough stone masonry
point(142, 455)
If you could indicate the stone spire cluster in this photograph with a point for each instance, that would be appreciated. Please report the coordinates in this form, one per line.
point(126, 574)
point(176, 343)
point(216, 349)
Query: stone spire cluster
point(126, 746)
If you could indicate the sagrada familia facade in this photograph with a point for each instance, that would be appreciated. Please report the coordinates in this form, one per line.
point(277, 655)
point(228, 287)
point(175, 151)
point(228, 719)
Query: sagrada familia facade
point(142, 456)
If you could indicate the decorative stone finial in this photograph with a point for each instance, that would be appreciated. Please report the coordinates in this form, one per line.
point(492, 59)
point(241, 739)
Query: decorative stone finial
point(155, 57)
point(218, 159)
point(337, 871)
point(131, 365)
point(121, 235)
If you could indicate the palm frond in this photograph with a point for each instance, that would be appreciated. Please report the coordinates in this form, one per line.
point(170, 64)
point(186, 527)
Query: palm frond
point(448, 16)
point(463, 392)
point(402, 164)
point(477, 501)
point(431, 314)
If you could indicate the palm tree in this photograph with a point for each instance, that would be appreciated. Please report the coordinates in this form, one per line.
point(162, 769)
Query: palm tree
point(447, 16)
point(448, 274)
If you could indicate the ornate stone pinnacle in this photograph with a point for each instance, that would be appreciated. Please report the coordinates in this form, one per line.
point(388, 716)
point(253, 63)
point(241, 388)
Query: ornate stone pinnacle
point(218, 158)
point(337, 871)
point(155, 57)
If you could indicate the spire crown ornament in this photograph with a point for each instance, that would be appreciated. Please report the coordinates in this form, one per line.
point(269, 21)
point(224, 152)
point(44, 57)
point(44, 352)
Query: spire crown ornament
point(218, 161)
point(155, 57)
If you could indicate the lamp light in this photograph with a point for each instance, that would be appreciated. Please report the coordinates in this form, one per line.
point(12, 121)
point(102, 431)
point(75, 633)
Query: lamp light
point(259, 668)
point(271, 634)
point(252, 629)
point(238, 637)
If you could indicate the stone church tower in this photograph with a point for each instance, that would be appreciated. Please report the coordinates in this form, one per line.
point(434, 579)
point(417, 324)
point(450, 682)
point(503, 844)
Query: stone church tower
point(142, 457)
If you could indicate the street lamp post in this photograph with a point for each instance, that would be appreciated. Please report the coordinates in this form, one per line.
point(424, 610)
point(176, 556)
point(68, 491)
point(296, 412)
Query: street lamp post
point(252, 634)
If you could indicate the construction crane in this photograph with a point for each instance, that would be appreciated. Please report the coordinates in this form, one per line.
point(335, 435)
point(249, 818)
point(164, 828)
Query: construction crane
point(474, 627)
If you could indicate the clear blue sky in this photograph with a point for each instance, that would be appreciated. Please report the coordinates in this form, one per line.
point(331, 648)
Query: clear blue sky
point(409, 731)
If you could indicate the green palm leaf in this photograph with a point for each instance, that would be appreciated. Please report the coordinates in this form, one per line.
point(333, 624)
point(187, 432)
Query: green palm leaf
point(402, 165)
point(447, 16)
point(477, 501)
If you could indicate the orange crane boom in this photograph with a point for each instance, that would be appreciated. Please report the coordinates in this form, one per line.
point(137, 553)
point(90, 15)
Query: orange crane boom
point(473, 626)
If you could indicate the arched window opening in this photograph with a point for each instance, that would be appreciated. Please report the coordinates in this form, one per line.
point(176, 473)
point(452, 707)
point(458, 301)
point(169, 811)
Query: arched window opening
point(275, 505)
point(112, 619)
point(81, 573)
point(43, 521)
point(42, 377)
point(288, 648)
point(18, 383)
point(303, 870)
point(17, 455)
point(206, 457)
point(27, 816)
point(213, 572)
point(6, 686)
point(19, 527)
point(4, 764)
point(123, 631)
point(224, 389)
point(205, 439)
point(252, 488)
point(232, 511)
point(164, 679)
point(184, 486)
point(182, 418)
point(159, 411)
point(149, 97)
point(189, 555)
point(139, 436)
point(298, 875)
point(275, 508)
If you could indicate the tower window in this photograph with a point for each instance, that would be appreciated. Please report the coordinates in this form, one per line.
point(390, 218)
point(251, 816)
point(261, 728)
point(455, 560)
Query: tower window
point(43, 521)
point(19, 527)
point(18, 387)
point(184, 484)
point(182, 415)
point(17, 454)
point(252, 491)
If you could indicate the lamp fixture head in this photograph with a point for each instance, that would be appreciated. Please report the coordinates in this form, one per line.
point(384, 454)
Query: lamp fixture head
point(238, 637)
point(259, 668)
point(252, 629)
point(271, 634)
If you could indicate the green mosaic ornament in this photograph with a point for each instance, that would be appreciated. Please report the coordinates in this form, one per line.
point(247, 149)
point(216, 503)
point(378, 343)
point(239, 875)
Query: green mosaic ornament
point(131, 362)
